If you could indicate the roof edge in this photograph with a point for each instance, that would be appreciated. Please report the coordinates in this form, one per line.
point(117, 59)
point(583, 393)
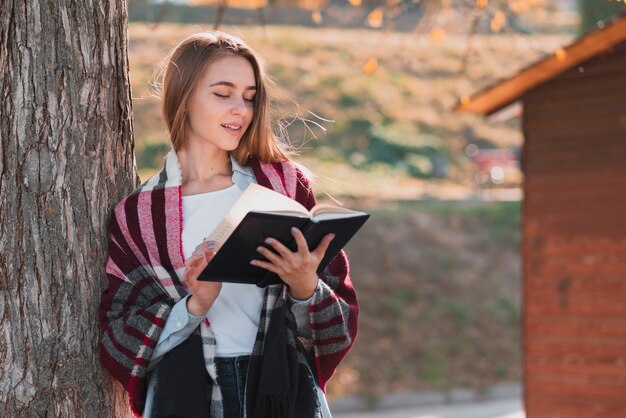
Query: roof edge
point(505, 92)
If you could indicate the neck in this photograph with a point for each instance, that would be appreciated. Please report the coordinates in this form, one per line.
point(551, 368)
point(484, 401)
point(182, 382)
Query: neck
point(203, 164)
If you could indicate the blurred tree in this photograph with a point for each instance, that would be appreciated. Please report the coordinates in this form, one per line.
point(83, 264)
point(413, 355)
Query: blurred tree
point(494, 15)
point(594, 11)
point(259, 5)
point(66, 154)
point(155, 12)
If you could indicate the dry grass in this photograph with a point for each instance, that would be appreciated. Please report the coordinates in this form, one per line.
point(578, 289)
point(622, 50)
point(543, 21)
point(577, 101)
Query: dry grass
point(439, 290)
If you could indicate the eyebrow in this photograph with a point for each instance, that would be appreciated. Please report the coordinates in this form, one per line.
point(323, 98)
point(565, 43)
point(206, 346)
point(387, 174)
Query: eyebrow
point(229, 84)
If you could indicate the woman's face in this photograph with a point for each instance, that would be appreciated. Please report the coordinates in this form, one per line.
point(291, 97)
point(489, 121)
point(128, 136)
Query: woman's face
point(223, 96)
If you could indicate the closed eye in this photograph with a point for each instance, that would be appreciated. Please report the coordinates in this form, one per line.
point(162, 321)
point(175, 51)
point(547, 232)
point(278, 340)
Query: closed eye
point(226, 96)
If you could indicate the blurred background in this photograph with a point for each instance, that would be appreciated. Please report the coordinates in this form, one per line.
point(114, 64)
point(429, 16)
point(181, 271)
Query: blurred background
point(369, 89)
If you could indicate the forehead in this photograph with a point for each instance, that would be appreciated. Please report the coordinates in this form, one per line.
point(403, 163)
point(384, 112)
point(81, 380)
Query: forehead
point(236, 70)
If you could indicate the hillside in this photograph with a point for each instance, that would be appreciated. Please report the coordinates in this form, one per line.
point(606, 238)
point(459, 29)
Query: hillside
point(371, 110)
point(439, 290)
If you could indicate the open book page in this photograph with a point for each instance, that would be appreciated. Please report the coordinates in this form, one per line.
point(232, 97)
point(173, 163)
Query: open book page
point(293, 213)
point(327, 211)
point(336, 215)
point(254, 198)
point(319, 212)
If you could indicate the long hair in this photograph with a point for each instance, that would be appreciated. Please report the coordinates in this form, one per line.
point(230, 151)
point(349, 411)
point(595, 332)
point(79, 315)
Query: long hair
point(185, 65)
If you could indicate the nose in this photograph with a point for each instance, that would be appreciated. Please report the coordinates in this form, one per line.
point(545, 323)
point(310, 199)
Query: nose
point(239, 107)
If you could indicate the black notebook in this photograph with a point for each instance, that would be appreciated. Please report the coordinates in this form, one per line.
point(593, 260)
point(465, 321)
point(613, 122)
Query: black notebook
point(261, 213)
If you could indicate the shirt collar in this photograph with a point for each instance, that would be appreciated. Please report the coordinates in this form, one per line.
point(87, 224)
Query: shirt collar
point(238, 168)
point(242, 176)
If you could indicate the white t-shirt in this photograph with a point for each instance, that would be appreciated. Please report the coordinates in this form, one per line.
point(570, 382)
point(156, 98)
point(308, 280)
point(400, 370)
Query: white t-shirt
point(234, 316)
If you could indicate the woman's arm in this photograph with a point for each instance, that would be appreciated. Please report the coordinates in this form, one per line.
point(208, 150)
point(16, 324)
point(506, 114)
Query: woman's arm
point(136, 296)
point(135, 307)
point(179, 325)
point(334, 309)
point(132, 312)
point(300, 310)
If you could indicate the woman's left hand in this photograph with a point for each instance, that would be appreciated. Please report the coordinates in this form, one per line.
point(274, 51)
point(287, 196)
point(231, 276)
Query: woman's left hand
point(297, 269)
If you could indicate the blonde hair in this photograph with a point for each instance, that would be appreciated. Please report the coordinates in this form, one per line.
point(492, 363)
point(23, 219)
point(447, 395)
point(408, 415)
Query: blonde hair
point(186, 64)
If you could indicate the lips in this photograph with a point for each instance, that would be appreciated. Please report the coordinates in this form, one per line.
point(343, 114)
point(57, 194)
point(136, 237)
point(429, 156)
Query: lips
point(232, 129)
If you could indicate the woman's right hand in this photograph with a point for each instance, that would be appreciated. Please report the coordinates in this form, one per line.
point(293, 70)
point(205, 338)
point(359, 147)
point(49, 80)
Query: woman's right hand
point(203, 294)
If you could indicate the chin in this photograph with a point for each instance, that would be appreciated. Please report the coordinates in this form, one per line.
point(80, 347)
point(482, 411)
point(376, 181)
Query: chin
point(231, 146)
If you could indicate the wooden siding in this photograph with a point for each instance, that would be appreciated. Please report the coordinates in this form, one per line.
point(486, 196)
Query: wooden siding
point(574, 242)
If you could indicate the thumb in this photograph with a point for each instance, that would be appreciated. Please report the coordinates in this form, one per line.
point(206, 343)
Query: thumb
point(323, 246)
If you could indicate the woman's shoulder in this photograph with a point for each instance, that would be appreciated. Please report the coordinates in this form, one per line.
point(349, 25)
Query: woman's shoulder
point(131, 202)
point(302, 170)
point(122, 207)
point(288, 169)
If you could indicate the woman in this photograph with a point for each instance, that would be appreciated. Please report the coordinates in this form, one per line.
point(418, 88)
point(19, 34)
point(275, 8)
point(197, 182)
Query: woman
point(187, 348)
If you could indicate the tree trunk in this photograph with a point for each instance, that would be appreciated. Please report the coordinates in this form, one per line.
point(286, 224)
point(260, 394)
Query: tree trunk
point(66, 156)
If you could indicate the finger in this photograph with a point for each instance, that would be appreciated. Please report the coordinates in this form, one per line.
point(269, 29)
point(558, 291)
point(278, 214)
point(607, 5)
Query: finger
point(194, 268)
point(278, 246)
point(265, 265)
point(303, 247)
point(198, 254)
point(192, 260)
point(323, 246)
point(199, 251)
point(208, 255)
point(191, 274)
point(274, 258)
point(199, 259)
point(204, 246)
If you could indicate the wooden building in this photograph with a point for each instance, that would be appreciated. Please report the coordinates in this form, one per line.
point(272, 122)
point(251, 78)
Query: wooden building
point(573, 105)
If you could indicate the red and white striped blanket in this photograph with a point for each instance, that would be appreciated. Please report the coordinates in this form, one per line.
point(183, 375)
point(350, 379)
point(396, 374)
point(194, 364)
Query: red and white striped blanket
point(145, 279)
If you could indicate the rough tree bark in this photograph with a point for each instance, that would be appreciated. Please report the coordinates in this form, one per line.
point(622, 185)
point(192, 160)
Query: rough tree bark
point(66, 156)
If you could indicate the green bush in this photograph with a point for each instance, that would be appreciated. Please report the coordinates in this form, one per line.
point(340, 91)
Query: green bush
point(150, 155)
point(401, 147)
point(593, 11)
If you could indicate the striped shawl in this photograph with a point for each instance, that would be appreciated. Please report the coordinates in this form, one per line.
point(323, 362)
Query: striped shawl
point(145, 267)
